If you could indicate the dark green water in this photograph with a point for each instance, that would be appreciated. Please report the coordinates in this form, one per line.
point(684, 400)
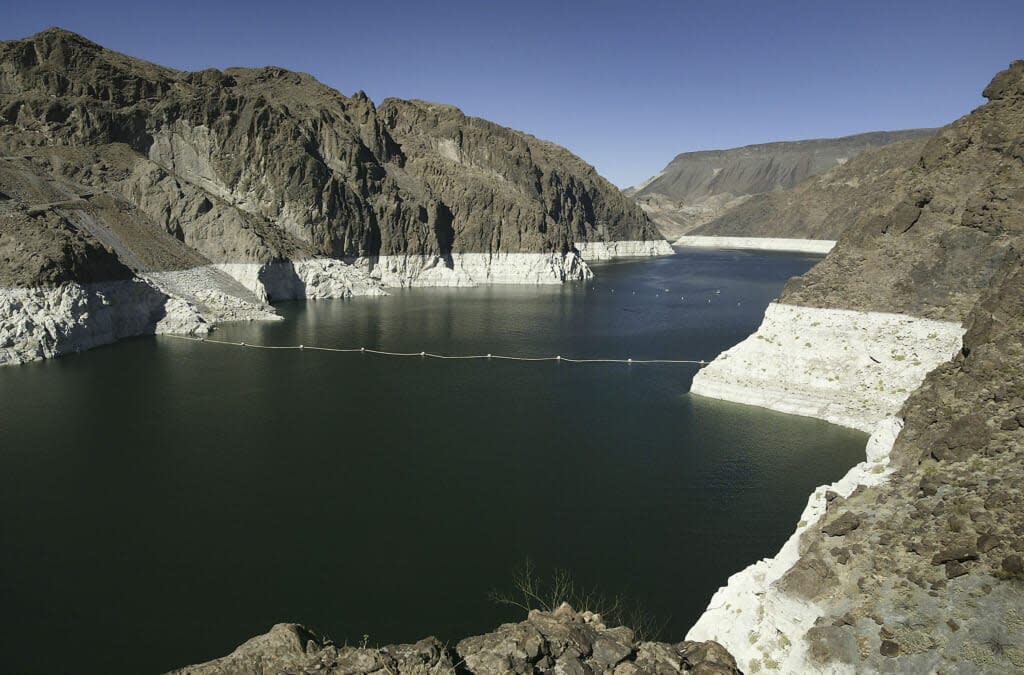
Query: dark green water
point(162, 501)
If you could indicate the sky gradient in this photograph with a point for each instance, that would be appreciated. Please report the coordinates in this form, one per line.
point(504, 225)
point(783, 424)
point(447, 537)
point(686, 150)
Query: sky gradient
point(625, 85)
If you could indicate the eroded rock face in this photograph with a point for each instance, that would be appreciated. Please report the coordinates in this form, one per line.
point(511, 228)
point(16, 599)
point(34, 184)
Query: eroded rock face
point(251, 165)
point(562, 641)
point(112, 167)
point(545, 197)
point(922, 583)
point(38, 323)
point(912, 566)
point(934, 247)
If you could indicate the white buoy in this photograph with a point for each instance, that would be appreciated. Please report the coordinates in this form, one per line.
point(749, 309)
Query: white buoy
point(629, 360)
point(423, 353)
point(558, 358)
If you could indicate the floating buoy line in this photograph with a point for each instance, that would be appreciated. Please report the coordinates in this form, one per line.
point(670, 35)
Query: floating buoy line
point(430, 355)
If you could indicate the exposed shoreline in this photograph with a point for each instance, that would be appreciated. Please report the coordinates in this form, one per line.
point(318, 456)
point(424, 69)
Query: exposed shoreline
point(850, 368)
point(48, 321)
point(757, 622)
point(819, 246)
point(845, 367)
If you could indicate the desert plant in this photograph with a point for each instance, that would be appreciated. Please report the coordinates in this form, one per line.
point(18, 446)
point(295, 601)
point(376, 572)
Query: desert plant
point(531, 590)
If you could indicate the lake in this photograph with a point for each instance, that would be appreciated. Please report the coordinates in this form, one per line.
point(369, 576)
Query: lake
point(162, 500)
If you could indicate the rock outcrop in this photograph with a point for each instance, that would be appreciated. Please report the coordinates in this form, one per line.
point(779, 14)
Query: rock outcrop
point(562, 641)
point(910, 563)
point(273, 184)
point(700, 187)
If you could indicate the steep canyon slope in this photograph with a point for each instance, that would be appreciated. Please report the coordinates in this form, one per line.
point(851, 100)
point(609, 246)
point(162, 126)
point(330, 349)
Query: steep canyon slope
point(216, 192)
point(913, 562)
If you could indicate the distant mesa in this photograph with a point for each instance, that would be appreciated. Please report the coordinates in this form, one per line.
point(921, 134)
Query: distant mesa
point(697, 188)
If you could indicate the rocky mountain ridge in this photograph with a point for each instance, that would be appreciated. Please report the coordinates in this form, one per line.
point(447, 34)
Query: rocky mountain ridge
point(264, 184)
point(696, 188)
point(306, 170)
point(822, 206)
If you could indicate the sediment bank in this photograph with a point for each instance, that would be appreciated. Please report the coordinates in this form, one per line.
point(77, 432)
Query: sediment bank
point(846, 367)
point(822, 246)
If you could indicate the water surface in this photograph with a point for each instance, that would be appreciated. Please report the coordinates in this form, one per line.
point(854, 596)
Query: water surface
point(162, 501)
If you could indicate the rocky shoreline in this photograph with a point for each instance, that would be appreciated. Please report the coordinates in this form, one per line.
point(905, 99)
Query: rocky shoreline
point(560, 641)
point(216, 193)
point(137, 199)
point(913, 561)
point(821, 246)
point(46, 321)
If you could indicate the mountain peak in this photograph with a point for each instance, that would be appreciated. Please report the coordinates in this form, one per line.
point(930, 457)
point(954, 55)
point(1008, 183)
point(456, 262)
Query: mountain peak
point(55, 36)
point(1008, 83)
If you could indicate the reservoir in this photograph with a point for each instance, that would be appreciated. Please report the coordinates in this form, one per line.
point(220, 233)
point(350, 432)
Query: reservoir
point(161, 500)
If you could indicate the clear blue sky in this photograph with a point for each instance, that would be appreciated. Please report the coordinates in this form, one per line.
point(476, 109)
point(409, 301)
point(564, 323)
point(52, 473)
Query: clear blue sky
point(625, 84)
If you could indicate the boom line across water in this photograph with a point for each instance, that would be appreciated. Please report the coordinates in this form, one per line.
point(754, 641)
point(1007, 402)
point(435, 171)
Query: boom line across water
point(446, 357)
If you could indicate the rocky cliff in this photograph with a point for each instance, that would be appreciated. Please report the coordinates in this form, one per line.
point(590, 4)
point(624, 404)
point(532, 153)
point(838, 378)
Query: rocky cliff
point(912, 563)
point(699, 187)
point(562, 641)
point(225, 190)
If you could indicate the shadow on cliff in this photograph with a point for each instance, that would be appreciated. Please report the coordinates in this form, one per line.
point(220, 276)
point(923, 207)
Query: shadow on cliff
point(104, 312)
point(282, 281)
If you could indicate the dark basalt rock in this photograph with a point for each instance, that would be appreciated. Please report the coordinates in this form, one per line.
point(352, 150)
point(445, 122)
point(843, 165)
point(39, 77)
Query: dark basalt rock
point(956, 553)
point(844, 524)
point(562, 641)
point(1013, 564)
point(291, 648)
point(944, 241)
point(938, 232)
point(255, 165)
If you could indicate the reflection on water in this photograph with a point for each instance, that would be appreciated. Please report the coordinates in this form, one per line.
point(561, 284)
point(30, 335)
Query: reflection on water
point(165, 500)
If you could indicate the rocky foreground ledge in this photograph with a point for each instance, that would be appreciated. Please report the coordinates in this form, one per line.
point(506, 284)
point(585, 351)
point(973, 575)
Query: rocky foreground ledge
point(562, 641)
